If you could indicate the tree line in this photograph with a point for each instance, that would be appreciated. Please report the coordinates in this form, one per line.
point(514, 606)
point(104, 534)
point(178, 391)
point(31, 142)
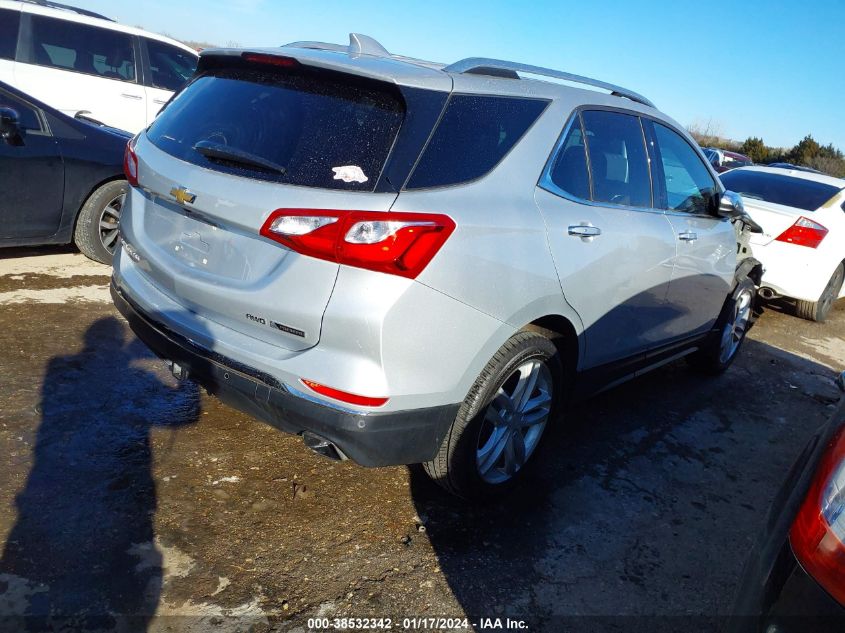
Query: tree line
point(807, 152)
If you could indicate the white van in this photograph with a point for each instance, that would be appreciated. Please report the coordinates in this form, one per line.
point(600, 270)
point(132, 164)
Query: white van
point(79, 61)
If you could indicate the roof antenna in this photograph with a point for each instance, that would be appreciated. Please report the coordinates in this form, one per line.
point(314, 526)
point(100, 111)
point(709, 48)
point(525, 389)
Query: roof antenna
point(364, 45)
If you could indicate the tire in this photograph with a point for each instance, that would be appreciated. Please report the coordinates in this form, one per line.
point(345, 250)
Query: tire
point(737, 316)
point(488, 424)
point(96, 227)
point(818, 310)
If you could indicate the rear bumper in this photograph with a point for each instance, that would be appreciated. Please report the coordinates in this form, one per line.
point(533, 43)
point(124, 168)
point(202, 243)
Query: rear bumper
point(787, 600)
point(370, 439)
point(793, 271)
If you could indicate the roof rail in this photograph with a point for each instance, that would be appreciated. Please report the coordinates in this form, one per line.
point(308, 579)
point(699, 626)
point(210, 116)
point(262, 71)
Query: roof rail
point(501, 68)
point(358, 45)
point(66, 7)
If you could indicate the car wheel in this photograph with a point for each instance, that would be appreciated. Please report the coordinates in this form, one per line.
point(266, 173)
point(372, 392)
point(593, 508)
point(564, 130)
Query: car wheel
point(502, 420)
point(96, 227)
point(818, 310)
point(736, 318)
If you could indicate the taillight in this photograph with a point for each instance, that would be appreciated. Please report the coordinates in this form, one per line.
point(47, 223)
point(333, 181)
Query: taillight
point(818, 532)
point(130, 162)
point(343, 396)
point(393, 243)
point(803, 233)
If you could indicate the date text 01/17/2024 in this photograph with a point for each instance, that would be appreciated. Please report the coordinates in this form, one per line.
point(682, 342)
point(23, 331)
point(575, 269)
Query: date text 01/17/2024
point(415, 624)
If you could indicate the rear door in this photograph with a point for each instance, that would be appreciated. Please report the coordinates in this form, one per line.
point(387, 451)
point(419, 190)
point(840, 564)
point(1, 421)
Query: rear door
point(196, 218)
point(706, 261)
point(614, 252)
point(170, 67)
point(73, 66)
point(31, 177)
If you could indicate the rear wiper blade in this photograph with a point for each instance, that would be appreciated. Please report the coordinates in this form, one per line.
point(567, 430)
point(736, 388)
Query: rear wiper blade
point(213, 150)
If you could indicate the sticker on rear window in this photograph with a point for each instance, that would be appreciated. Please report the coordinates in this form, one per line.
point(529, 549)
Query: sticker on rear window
point(349, 173)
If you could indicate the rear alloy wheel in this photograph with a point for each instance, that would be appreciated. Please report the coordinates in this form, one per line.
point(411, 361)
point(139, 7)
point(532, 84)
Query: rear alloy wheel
point(96, 233)
point(514, 422)
point(737, 317)
point(502, 421)
point(818, 310)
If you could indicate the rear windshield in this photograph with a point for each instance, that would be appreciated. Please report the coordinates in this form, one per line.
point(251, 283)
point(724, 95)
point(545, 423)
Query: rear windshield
point(297, 129)
point(779, 189)
point(475, 133)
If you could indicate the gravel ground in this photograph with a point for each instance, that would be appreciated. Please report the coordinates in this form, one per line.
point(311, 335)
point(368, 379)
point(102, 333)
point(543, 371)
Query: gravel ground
point(129, 501)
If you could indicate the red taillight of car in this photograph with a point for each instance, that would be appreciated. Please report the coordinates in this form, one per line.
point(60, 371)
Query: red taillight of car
point(270, 60)
point(394, 243)
point(343, 396)
point(130, 163)
point(817, 535)
point(803, 233)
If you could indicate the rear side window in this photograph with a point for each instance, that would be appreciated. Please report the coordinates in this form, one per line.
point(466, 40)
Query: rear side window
point(570, 168)
point(170, 67)
point(9, 23)
point(301, 129)
point(82, 48)
point(474, 134)
point(618, 161)
point(789, 191)
point(688, 184)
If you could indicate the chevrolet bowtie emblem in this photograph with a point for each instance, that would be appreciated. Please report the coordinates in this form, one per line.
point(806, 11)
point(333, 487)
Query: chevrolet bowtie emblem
point(182, 195)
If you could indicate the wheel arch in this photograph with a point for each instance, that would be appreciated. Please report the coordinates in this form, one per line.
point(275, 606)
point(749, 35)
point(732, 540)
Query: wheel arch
point(87, 197)
point(561, 331)
point(751, 268)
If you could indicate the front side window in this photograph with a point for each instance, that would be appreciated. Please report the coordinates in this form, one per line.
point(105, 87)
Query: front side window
point(9, 23)
point(82, 48)
point(474, 134)
point(27, 114)
point(688, 184)
point(618, 161)
point(170, 67)
point(569, 171)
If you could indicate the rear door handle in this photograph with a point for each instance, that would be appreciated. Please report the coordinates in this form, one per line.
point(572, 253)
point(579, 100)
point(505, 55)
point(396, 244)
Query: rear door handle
point(583, 230)
point(129, 96)
point(688, 237)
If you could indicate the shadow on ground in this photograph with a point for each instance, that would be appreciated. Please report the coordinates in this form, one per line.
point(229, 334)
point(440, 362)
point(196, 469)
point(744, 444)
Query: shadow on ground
point(644, 503)
point(82, 554)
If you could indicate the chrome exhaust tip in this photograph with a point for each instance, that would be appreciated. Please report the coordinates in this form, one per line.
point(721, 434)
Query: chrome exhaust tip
point(179, 372)
point(768, 293)
point(323, 446)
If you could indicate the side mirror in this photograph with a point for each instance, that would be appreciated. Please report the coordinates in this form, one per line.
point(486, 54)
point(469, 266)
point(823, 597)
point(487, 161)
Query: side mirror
point(732, 207)
point(10, 128)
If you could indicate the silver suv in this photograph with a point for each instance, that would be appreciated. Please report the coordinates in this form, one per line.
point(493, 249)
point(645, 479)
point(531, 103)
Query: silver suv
point(405, 262)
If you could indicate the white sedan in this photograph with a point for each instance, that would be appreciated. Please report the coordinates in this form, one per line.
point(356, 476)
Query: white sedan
point(802, 246)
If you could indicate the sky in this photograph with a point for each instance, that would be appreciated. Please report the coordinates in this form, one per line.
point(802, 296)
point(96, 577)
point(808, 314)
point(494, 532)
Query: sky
point(773, 69)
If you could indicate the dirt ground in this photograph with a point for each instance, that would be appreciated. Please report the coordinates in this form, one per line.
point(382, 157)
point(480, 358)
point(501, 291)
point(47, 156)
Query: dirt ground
point(129, 501)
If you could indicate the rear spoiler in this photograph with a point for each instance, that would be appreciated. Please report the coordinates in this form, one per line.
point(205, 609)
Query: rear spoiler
point(360, 59)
